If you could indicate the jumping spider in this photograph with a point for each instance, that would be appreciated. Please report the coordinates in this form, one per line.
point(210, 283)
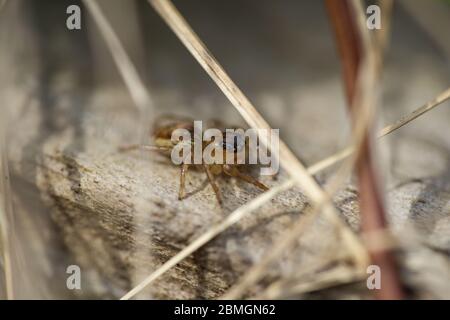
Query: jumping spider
point(231, 146)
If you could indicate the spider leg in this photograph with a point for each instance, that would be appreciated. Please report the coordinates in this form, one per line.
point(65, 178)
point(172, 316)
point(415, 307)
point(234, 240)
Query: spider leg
point(234, 172)
point(184, 169)
point(213, 183)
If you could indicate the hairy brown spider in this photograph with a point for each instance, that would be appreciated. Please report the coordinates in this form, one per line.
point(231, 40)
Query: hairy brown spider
point(162, 136)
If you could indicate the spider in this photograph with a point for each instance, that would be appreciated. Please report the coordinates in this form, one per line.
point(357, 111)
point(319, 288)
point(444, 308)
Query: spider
point(231, 146)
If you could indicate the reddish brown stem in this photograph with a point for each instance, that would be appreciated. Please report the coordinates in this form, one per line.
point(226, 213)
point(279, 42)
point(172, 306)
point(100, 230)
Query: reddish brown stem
point(373, 217)
point(347, 43)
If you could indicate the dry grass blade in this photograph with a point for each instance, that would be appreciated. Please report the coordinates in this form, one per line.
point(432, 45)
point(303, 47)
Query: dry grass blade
point(257, 271)
point(187, 36)
point(233, 218)
point(388, 129)
point(379, 240)
point(338, 276)
point(132, 80)
point(373, 213)
point(364, 100)
point(247, 209)
point(287, 240)
point(349, 18)
point(287, 159)
point(277, 289)
point(173, 18)
point(417, 113)
point(210, 234)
